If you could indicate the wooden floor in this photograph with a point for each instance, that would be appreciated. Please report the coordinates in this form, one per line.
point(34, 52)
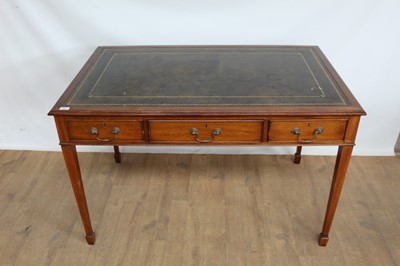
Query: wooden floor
point(155, 209)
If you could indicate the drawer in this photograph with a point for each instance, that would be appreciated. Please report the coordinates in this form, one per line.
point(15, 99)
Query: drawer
point(105, 130)
point(307, 131)
point(200, 131)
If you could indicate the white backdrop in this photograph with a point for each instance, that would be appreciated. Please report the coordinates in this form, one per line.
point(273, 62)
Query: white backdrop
point(43, 44)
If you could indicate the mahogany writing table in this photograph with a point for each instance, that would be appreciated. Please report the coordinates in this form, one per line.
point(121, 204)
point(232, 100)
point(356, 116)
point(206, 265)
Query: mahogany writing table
point(207, 95)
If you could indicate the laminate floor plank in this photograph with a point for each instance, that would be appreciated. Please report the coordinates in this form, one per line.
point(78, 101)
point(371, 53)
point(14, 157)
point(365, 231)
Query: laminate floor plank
point(158, 209)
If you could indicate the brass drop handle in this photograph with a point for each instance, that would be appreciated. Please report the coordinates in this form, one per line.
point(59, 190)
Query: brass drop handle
point(114, 131)
point(297, 131)
point(195, 132)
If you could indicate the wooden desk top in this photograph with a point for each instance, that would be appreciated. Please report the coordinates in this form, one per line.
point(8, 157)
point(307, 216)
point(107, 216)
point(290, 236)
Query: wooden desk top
point(234, 80)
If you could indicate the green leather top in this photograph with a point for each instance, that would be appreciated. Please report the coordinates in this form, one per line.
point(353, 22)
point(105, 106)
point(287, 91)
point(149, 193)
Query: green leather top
point(197, 76)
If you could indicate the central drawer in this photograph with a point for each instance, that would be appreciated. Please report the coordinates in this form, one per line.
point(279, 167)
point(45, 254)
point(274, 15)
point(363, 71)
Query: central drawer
point(205, 131)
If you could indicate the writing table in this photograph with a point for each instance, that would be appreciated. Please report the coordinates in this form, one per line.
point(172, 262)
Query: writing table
point(207, 95)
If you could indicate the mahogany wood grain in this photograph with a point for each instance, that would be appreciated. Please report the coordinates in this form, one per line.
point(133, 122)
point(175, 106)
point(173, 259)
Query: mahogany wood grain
point(72, 163)
point(281, 131)
point(352, 129)
point(79, 130)
point(232, 131)
point(342, 163)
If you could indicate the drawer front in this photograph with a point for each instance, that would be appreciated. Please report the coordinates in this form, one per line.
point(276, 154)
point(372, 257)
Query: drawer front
point(307, 131)
point(104, 131)
point(196, 131)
